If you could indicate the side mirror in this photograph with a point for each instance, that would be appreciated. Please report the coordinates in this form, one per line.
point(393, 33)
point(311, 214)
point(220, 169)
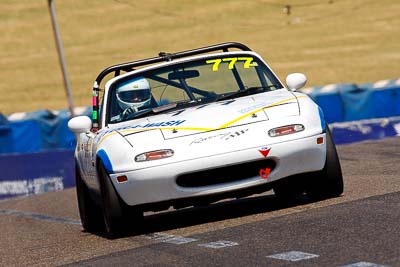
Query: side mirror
point(296, 81)
point(80, 124)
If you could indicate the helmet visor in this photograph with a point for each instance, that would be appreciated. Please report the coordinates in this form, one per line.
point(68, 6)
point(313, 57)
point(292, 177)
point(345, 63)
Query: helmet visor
point(134, 96)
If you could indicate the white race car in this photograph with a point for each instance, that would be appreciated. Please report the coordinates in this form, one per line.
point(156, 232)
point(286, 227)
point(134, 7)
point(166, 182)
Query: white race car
point(194, 127)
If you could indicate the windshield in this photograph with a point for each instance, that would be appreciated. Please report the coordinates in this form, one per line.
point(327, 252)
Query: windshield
point(190, 83)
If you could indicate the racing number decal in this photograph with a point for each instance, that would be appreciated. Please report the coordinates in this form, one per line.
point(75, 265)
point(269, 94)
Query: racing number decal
point(248, 62)
point(215, 63)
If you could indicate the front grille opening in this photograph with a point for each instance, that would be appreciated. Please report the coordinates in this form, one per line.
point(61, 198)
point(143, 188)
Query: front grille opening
point(224, 174)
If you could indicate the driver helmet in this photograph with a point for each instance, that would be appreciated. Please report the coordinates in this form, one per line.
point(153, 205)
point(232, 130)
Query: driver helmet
point(134, 94)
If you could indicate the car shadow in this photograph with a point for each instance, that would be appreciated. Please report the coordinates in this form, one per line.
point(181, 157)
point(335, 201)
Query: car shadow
point(223, 210)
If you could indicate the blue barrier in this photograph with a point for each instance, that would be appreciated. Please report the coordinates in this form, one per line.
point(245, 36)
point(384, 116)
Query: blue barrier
point(351, 102)
point(35, 173)
point(38, 131)
point(6, 144)
point(36, 152)
point(357, 131)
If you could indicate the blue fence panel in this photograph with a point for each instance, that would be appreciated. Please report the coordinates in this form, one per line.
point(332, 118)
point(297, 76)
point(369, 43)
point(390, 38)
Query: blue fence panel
point(350, 102)
point(37, 131)
point(26, 136)
point(35, 173)
point(6, 140)
point(356, 103)
point(385, 101)
point(350, 132)
point(329, 99)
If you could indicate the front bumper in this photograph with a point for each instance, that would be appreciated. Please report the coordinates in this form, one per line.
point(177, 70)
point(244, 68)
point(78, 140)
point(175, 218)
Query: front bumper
point(158, 184)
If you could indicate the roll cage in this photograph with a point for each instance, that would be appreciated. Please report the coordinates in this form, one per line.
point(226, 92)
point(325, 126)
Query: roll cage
point(162, 57)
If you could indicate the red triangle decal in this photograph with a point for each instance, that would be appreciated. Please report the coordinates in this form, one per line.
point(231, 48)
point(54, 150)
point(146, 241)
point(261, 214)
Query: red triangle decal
point(265, 151)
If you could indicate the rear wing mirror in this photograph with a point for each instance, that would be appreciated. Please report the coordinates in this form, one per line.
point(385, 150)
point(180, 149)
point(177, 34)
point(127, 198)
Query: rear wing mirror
point(184, 74)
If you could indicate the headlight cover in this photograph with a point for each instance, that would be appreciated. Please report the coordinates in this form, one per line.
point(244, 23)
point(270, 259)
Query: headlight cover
point(285, 130)
point(154, 155)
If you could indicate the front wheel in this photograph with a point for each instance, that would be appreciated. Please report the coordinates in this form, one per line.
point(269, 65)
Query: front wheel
point(118, 216)
point(329, 181)
point(289, 188)
point(90, 213)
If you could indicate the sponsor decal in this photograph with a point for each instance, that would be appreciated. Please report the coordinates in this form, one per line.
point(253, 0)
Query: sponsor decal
point(253, 107)
point(265, 172)
point(148, 125)
point(158, 124)
point(265, 151)
point(222, 136)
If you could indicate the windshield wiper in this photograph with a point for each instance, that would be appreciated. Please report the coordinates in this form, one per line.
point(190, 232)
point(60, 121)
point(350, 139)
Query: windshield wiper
point(247, 91)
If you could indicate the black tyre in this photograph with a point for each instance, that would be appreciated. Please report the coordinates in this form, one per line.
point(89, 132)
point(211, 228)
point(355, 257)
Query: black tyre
point(288, 188)
point(90, 213)
point(118, 217)
point(329, 181)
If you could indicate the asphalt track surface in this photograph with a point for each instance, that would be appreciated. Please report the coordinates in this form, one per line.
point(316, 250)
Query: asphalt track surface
point(360, 228)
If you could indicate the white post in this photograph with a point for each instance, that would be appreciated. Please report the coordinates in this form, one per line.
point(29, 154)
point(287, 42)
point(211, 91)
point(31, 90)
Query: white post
point(57, 38)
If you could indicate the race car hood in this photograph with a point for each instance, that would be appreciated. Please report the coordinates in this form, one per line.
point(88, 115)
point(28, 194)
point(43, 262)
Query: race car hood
point(217, 115)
